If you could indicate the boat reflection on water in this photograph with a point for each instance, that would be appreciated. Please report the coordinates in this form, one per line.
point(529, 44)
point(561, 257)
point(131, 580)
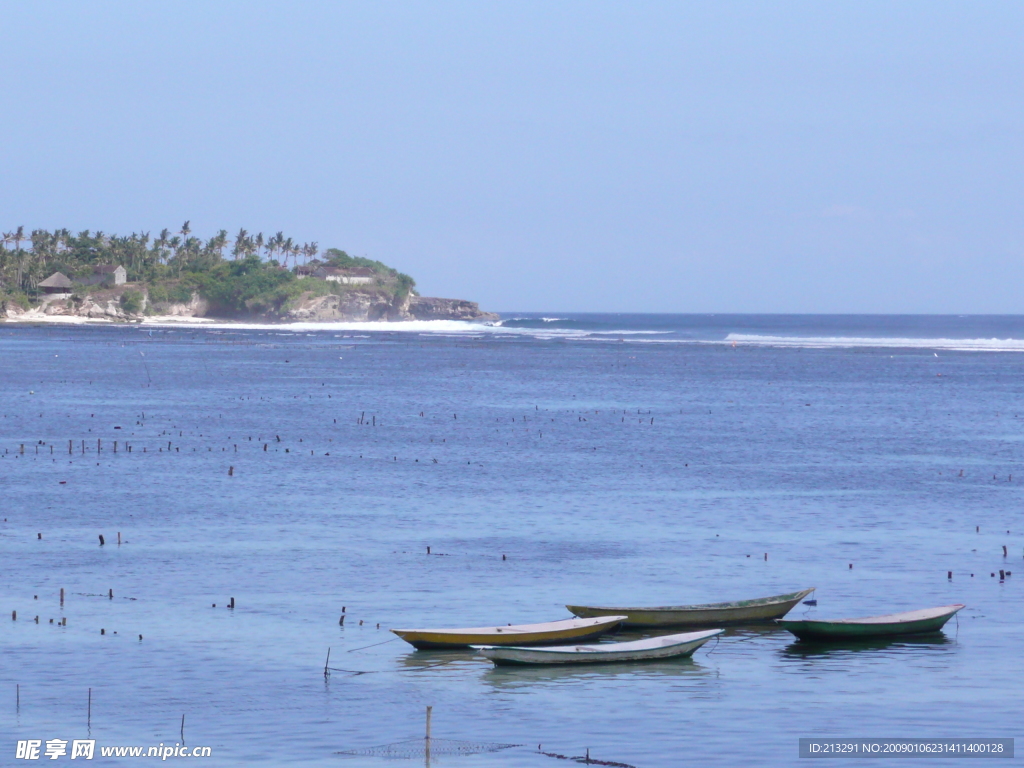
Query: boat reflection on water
point(803, 649)
point(440, 659)
point(750, 632)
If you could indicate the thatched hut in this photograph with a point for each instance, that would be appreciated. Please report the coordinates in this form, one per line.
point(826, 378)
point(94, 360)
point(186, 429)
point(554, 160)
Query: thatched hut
point(56, 283)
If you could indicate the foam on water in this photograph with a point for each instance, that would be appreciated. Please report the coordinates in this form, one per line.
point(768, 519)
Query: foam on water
point(585, 328)
point(407, 326)
point(847, 342)
point(954, 333)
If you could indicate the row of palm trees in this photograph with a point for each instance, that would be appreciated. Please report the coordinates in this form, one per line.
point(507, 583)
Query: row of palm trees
point(143, 257)
point(248, 245)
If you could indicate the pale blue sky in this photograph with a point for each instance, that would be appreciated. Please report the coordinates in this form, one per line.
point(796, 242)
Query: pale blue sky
point(575, 156)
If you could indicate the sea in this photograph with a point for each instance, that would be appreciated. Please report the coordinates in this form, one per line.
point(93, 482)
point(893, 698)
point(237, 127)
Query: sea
point(335, 481)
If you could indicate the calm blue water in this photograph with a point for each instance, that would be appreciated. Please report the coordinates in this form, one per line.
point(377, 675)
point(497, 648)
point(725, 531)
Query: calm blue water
point(634, 459)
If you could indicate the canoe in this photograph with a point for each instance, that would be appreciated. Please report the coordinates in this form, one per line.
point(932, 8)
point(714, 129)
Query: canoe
point(908, 623)
point(649, 649)
point(564, 631)
point(705, 615)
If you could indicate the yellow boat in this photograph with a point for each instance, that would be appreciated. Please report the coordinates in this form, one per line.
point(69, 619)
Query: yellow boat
point(565, 631)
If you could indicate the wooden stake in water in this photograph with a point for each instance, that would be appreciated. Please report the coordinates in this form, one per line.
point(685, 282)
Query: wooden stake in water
point(426, 751)
point(89, 715)
point(327, 672)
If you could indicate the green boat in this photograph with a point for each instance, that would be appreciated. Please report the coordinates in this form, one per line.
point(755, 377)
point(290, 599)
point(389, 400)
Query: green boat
point(908, 623)
point(703, 615)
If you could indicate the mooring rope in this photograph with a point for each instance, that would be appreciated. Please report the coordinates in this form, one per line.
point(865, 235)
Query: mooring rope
point(363, 648)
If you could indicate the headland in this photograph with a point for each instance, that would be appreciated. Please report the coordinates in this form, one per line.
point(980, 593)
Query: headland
point(93, 276)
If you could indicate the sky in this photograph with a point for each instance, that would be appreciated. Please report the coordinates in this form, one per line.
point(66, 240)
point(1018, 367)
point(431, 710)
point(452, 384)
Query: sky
point(813, 157)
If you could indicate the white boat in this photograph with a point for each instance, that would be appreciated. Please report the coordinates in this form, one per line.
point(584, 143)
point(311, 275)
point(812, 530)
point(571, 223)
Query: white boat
point(648, 649)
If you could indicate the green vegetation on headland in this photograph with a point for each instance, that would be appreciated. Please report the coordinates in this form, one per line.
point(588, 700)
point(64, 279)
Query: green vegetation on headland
point(246, 275)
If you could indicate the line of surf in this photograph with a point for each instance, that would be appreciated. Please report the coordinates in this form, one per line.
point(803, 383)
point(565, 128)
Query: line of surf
point(439, 327)
point(847, 342)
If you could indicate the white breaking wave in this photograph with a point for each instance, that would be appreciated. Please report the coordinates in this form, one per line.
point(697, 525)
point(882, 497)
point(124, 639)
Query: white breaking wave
point(833, 342)
point(452, 328)
point(409, 326)
point(459, 328)
point(469, 329)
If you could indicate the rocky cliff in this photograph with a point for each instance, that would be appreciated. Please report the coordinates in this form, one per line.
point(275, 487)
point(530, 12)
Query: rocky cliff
point(103, 305)
point(427, 308)
point(359, 306)
point(353, 306)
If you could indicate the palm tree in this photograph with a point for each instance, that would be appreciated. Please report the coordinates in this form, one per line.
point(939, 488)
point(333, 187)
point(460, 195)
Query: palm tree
point(289, 250)
point(274, 243)
point(175, 245)
point(278, 241)
point(31, 269)
point(19, 256)
point(64, 239)
point(185, 231)
point(240, 243)
point(160, 243)
point(19, 262)
point(43, 244)
point(192, 247)
point(141, 247)
point(221, 240)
